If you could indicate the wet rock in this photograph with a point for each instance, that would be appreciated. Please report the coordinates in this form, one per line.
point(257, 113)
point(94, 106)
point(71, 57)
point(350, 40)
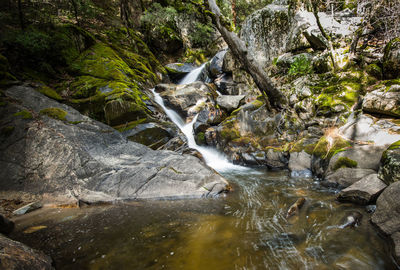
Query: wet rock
point(387, 216)
point(382, 102)
point(216, 64)
point(152, 135)
point(15, 255)
point(6, 225)
point(295, 208)
point(345, 177)
point(164, 87)
point(389, 171)
point(211, 136)
point(177, 71)
point(364, 191)
point(187, 99)
point(91, 161)
point(230, 103)
point(391, 59)
point(351, 220)
point(275, 159)
point(27, 208)
point(228, 65)
point(208, 116)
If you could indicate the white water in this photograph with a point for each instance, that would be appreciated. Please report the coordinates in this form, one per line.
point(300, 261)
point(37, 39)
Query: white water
point(193, 75)
point(212, 157)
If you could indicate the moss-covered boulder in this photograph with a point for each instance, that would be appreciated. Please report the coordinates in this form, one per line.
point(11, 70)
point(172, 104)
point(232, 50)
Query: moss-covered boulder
point(391, 59)
point(108, 88)
point(389, 170)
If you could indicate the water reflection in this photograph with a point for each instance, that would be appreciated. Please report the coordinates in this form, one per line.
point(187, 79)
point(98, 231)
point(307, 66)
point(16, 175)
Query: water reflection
point(247, 229)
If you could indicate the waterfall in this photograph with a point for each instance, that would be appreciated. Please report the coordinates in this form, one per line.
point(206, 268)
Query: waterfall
point(193, 75)
point(212, 157)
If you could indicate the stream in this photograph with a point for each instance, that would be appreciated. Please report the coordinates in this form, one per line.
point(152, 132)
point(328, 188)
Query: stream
point(246, 229)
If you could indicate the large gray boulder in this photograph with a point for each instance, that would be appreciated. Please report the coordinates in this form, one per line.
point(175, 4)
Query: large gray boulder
point(387, 216)
point(364, 191)
point(383, 102)
point(365, 128)
point(271, 31)
point(358, 156)
point(187, 99)
point(299, 163)
point(389, 171)
point(15, 255)
point(86, 160)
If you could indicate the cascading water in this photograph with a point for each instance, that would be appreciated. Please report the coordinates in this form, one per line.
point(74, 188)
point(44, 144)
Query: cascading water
point(212, 157)
point(193, 75)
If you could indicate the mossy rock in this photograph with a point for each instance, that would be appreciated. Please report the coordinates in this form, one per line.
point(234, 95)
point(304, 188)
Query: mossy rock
point(118, 111)
point(391, 59)
point(327, 147)
point(374, 70)
point(55, 113)
point(200, 138)
point(344, 162)
point(25, 114)
point(7, 131)
point(49, 92)
point(389, 171)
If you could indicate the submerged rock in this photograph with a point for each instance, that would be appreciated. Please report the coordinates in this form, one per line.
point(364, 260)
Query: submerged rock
point(364, 191)
point(15, 255)
point(90, 161)
point(351, 220)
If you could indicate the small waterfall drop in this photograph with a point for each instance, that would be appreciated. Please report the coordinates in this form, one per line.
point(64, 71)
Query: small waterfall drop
point(193, 75)
point(212, 157)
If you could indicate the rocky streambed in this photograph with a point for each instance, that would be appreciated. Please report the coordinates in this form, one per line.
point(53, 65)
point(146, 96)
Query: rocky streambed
point(247, 229)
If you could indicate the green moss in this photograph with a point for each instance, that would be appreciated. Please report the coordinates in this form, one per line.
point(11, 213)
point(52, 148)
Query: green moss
point(7, 131)
point(55, 113)
point(25, 114)
point(327, 147)
point(49, 92)
point(130, 125)
point(200, 138)
point(344, 162)
point(374, 70)
point(75, 122)
point(297, 146)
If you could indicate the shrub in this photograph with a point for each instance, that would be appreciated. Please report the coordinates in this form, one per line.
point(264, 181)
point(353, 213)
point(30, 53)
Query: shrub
point(301, 66)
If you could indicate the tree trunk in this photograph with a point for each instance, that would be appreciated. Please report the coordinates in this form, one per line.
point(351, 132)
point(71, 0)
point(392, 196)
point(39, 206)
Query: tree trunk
point(239, 50)
point(130, 11)
point(75, 7)
point(234, 12)
point(21, 15)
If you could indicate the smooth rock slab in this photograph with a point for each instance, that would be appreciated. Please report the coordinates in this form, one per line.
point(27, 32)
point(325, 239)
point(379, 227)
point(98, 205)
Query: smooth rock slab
point(387, 216)
point(15, 255)
point(364, 191)
point(90, 161)
point(299, 161)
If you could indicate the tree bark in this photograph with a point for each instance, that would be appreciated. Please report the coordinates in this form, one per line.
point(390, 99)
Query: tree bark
point(130, 11)
point(21, 15)
point(239, 50)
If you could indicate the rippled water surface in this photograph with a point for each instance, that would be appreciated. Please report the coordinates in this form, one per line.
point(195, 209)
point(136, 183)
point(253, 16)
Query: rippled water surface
point(247, 229)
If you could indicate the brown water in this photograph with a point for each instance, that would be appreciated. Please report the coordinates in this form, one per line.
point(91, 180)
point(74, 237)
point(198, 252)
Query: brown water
point(245, 230)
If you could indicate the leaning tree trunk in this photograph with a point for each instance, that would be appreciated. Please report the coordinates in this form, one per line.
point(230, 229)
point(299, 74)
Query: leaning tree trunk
point(239, 50)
